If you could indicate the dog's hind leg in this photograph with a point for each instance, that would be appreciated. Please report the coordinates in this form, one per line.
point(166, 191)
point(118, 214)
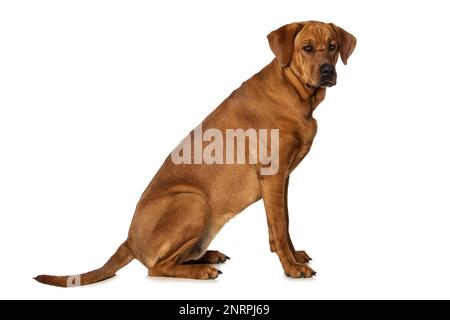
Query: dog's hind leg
point(192, 271)
point(179, 237)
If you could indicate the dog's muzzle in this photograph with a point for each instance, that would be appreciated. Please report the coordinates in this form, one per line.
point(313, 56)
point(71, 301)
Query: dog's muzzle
point(327, 75)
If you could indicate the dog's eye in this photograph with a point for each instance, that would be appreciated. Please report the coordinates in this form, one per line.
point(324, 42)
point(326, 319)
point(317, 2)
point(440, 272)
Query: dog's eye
point(307, 48)
point(331, 47)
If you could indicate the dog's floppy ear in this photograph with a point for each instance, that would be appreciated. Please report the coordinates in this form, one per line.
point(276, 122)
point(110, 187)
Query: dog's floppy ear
point(347, 43)
point(281, 42)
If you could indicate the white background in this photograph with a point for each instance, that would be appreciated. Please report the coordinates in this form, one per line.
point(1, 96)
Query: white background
point(95, 94)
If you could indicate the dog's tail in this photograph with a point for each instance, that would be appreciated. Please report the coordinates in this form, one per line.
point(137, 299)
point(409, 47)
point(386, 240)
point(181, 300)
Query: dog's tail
point(120, 259)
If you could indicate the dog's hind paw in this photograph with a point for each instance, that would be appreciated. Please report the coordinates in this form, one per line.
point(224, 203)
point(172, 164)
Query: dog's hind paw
point(302, 257)
point(210, 257)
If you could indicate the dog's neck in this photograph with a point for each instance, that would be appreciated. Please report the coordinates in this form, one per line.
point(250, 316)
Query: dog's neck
point(311, 96)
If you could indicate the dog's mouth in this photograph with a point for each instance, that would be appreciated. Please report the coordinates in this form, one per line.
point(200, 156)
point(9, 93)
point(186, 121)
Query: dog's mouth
point(323, 84)
point(327, 84)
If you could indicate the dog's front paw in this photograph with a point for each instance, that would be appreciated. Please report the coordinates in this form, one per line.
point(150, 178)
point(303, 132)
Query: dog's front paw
point(298, 270)
point(302, 257)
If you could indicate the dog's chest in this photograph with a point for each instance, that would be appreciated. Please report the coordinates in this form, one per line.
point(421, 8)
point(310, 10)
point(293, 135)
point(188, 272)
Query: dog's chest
point(305, 130)
point(305, 134)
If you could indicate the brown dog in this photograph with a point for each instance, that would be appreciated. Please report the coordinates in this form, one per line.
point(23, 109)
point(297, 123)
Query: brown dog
point(186, 204)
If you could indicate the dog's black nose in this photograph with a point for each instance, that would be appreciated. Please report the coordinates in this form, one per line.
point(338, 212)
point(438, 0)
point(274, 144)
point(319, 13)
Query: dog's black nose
point(326, 71)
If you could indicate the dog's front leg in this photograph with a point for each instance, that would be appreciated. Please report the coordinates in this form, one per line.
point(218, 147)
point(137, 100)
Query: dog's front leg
point(286, 215)
point(273, 193)
point(301, 256)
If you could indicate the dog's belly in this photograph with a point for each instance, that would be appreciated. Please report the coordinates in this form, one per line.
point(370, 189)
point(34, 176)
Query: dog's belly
point(233, 188)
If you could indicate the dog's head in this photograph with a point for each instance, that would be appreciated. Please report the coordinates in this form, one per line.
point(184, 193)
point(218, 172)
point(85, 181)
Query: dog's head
point(311, 49)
